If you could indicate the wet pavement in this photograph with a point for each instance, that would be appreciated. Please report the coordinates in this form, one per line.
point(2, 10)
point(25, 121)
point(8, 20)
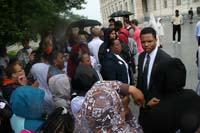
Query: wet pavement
point(186, 51)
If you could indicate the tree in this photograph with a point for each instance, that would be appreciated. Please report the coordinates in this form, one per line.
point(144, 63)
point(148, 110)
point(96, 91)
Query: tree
point(21, 19)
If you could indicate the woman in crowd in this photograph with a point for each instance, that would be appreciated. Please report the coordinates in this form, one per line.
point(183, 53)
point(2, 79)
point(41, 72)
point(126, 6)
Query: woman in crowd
point(59, 121)
point(136, 34)
point(153, 24)
point(160, 31)
point(40, 72)
point(27, 106)
point(103, 111)
point(114, 67)
point(84, 77)
point(78, 46)
point(15, 76)
point(109, 33)
point(60, 88)
point(46, 48)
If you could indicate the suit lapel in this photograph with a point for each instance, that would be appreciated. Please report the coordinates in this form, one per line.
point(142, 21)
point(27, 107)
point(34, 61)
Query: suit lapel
point(140, 69)
point(157, 58)
point(142, 62)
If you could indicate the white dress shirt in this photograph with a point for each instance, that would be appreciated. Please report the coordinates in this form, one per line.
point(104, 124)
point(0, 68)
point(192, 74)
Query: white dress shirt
point(197, 30)
point(94, 47)
point(120, 58)
point(152, 58)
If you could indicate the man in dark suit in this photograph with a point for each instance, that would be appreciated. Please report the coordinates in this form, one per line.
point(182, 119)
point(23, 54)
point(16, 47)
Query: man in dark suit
point(147, 62)
point(178, 107)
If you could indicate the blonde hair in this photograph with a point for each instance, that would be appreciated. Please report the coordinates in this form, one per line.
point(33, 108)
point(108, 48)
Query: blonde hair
point(96, 32)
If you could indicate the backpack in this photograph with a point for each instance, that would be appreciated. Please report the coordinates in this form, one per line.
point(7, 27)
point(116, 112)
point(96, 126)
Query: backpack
point(126, 36)
point(132, 46)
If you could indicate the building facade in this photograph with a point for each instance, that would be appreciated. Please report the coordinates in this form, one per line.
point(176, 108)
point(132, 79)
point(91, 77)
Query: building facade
point(143, 8)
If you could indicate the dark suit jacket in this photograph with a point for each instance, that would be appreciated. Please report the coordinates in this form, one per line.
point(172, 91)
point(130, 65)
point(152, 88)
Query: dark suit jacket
point(177, 106)
point(160, 56)
point(113, 68)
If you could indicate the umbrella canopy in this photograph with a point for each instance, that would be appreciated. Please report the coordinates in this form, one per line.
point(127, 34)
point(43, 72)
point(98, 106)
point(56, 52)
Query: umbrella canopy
point(85, 23)
point(121, 13)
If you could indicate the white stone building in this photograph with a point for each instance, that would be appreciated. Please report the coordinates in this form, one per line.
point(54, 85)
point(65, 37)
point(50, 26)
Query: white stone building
point(142, 8)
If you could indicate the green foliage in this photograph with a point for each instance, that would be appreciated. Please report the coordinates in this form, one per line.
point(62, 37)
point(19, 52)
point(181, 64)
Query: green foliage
point(21, 19)
point(12, 54)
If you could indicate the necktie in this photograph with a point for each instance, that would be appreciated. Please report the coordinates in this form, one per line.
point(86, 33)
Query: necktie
point(145, 72)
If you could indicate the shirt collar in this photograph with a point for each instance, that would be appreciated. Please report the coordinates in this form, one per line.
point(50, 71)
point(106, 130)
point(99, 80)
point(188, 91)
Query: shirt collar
point(153, 53)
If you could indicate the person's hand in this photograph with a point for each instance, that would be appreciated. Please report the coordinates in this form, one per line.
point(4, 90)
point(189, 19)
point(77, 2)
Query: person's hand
point(31, 57)
point(154, 101)
point(137, 96)
point(198, 130)
point(22, 80)
point(125, 101)
point(35, 84)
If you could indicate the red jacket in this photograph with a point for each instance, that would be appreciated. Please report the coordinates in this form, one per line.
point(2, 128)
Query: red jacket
point(123, 35)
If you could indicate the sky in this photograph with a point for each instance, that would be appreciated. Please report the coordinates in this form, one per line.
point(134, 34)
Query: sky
point(92, 10)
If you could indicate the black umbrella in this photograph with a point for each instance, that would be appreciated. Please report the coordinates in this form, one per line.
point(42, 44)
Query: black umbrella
point(121, 13)
point(85, 23)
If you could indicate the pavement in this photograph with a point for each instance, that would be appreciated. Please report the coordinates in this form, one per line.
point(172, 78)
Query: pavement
point(186, 51)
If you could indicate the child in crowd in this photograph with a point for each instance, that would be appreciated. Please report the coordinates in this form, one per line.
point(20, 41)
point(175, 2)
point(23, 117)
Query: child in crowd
point(160, 31)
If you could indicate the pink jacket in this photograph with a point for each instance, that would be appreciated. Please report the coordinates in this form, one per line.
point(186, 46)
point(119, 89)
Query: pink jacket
point(136, 36)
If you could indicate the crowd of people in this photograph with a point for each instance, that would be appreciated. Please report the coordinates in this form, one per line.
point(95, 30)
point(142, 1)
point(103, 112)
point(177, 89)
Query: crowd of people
point(88, 85)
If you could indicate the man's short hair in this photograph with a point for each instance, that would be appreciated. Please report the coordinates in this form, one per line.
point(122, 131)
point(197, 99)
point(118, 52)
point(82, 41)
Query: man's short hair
point(118, 24)
point(148, 30)
point(127, 21)
point(96, 32)
point(176, 10)
point(111, 20)
point(134, 21)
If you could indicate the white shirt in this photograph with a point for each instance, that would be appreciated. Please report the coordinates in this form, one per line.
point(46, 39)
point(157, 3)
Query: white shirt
point(160, 29)
point(120, 58)
point(93, 61)
point(177, 20)
point(197, 30)
point(152, 58)
point(94, 47)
